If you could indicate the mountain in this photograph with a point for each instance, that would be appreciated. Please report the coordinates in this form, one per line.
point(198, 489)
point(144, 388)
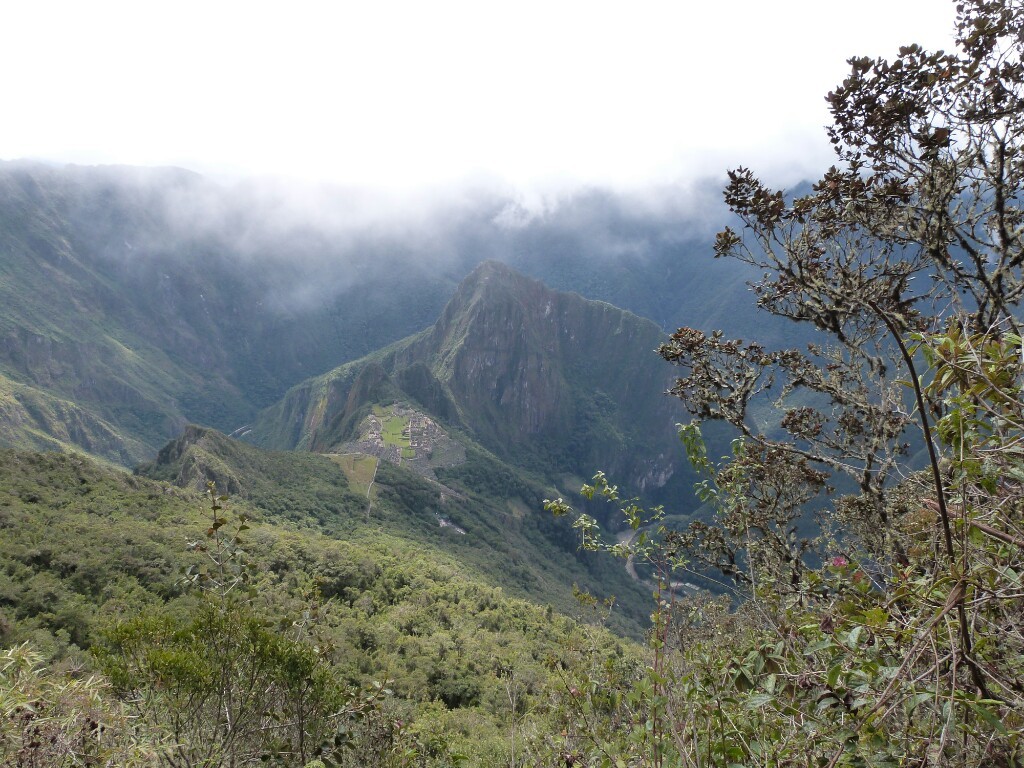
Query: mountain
point(130, 304)
point(134, 301)
point(33, 418)
point(137, 302)
point(496, 527)
point(543, 380)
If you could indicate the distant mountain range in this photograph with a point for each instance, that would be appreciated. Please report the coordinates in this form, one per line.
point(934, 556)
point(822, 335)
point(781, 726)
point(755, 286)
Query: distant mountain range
point(134, 301)
point(388, 370)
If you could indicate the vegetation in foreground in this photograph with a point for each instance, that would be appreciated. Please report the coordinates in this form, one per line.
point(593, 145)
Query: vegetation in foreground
point(224, 638)
point(894, 638)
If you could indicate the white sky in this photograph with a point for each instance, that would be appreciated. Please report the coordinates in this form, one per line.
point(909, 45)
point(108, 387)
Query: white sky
point(432, 92)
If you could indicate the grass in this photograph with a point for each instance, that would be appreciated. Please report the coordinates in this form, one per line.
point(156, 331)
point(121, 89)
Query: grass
point(358, 468)
point(393, 430)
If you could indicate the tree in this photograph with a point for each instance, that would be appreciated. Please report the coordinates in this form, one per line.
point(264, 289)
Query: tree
point(225, 686)
point(918, 224)
point(918, 229)
point(896, 636)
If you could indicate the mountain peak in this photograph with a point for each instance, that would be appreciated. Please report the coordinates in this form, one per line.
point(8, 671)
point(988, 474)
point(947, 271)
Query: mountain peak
point(542, 378)
point(490, 268)
point(493, 275)
point(527, 365)
point(489, 285)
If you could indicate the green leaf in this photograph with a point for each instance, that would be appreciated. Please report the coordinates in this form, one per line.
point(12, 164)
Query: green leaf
point(988, 716)
point(918, 698)
point(818, 646)
point(758, 700)
point(833, 675)
point(876, 617)
point(854, 636)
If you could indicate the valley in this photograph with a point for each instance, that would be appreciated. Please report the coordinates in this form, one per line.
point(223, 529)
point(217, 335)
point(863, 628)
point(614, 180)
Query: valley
point(478, 513)
point(599, 462)
point(130, 320)
point(401, 430)
point(122, 297)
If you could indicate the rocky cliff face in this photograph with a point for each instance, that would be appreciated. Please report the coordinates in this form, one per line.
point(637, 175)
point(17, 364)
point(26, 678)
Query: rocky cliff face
point(498, 347)
point(544, 379)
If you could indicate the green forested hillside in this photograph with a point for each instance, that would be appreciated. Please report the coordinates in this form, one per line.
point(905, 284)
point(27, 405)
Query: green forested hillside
point(545, 381)
point(391, 597)
point(120, 322)
point(506, 536)
point(150, 298)
point(92, 557)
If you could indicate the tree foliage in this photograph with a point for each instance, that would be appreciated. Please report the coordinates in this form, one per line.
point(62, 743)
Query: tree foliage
point(896, 635)
point(108, 571)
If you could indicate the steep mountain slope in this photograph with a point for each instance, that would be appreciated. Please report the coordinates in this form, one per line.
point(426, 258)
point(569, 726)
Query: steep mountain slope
point(516, 545)
point(544, 380)
point(123, 294)
point(151, 298)
point(32, 418)
point(84, 548)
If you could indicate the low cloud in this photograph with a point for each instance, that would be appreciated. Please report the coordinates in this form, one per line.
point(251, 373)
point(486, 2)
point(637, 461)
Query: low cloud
point(306, 246)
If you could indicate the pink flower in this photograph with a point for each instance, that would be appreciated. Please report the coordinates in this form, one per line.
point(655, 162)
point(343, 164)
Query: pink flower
point(839, 562)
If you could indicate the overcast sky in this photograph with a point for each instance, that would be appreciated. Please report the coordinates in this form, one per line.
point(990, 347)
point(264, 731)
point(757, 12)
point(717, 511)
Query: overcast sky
point(434, 92)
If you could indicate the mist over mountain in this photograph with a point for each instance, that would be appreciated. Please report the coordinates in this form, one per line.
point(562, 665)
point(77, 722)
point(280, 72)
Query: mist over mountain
point(138, 300)
point(405, 375)
point(542, 379)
